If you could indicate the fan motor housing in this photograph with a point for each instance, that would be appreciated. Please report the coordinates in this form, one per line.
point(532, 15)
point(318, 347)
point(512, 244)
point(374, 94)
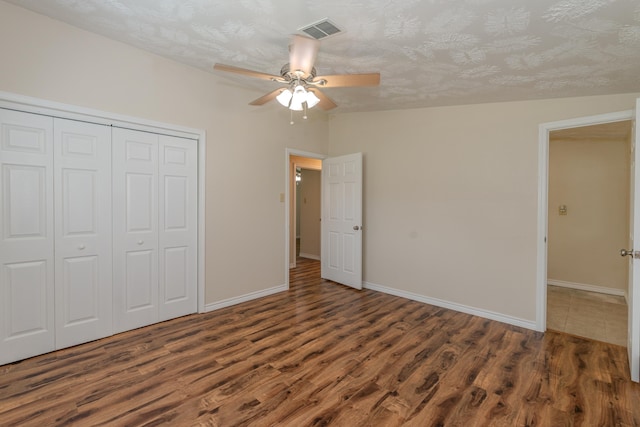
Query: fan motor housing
point(286, 73)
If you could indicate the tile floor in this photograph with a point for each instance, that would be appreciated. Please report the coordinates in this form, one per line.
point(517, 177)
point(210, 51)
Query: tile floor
point(592, 315)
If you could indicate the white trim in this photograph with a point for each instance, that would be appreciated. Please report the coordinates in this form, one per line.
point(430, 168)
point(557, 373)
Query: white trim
point(202, 236)
point(543, 201)
point(244, 298)
point(309, 256)
point(486, 314)
point(288, 152)
point(541, 261)
point(586, 287)
point(14, 101)
point(28, 104)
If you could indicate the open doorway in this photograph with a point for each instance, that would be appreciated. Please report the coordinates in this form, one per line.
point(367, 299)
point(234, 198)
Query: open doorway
point(341, 207)
point(307, 212)
point(302, 210)
point(588, 223)
point(633, 283)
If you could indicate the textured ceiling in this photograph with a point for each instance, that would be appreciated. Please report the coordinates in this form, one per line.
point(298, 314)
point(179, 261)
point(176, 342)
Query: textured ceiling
point(429, 52)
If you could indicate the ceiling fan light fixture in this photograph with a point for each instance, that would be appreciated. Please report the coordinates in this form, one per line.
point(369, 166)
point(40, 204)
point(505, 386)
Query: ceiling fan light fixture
point(312, 99)
point(284, 98)
point(298, 98)
point(303, 86)
point(295, 106)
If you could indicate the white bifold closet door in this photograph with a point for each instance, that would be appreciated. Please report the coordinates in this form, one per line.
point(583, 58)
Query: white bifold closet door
point(82, 187)
point(55, 246)
point(26, 243)
point(178, 227)
point(98, 231)
point(155, 227)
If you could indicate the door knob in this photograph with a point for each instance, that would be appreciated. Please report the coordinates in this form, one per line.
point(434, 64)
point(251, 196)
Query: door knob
point(140, 242)
point(356, 228)
point(81, 247)
point(630, 252)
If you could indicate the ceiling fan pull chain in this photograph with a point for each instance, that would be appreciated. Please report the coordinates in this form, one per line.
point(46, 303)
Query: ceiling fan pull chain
point(291, 122)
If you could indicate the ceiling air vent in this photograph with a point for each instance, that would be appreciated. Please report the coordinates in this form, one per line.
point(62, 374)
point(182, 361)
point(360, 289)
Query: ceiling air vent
point(321, 29)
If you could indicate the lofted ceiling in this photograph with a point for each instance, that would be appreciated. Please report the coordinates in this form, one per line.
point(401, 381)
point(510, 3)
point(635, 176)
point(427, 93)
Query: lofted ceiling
point(428, 52)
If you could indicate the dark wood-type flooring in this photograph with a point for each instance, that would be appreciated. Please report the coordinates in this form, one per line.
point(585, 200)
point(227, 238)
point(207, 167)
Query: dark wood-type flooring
point(323, 354)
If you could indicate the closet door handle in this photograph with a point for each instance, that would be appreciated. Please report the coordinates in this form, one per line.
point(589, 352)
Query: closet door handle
point(140, 242)
point(81, 247)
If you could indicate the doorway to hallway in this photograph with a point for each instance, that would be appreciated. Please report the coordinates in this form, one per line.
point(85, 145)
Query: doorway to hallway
point(588, 223)
point(302, 218)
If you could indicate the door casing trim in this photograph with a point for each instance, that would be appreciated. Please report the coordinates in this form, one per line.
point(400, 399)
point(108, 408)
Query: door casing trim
point(543, 198)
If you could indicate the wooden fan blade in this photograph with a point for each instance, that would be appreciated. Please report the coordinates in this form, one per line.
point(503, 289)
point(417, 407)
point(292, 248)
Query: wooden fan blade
point(302, 54)
point(268, 97)
point(325, 102)
point(344, 80)
point(245, 72)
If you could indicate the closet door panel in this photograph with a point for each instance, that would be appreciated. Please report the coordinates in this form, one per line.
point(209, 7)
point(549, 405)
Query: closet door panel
point(140, 210)
point(26, 236)
point(84, 308)
point(25, 214)
point(135, 180)
point(178, 226)
point(176, 275)
point(80, 314)
point(140, 289)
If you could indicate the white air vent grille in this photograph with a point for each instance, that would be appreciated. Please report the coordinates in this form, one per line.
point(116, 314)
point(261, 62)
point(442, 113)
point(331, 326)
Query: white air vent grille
point(321, 29)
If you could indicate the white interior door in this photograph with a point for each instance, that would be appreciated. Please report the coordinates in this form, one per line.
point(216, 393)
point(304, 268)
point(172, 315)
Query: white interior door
point(342, 220)
point(633, 295)
point(135, 229)
point(26, 236)
point(82, 183)
point(178, 222)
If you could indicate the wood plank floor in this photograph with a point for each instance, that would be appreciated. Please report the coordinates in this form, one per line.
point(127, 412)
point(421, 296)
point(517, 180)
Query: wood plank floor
point(323, 354)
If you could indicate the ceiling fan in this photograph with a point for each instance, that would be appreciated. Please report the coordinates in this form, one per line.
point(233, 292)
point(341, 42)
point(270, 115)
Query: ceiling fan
point(302, 85)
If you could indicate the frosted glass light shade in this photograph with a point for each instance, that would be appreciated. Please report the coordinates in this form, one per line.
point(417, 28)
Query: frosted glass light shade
point(295, 100)
point(312, 99)
point(299, 96)
point(284, 98)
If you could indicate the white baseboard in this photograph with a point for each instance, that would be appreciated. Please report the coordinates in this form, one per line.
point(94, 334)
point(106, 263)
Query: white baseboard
point(585, 287)
point(492, 315)
point(243, 298)
point(309, 256)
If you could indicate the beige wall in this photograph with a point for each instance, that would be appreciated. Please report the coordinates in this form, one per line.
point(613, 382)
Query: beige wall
point(591, 178)
point(450, 196)
point(310, 213)
point(245, 145)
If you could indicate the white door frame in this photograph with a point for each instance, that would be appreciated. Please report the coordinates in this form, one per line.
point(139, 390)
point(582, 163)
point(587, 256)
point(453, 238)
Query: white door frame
point(543, 198)
point(287, 203)
point(28, 104)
